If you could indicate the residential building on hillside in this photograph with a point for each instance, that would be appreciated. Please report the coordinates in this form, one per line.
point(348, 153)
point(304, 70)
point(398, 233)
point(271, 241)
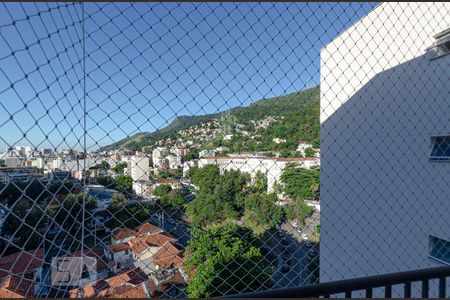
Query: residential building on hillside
point(385, 140)
point(206, 153)
point(271, 167)
point(174, 161)
point(158, 155)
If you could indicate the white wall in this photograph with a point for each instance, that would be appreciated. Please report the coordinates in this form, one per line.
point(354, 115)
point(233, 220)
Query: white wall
point(381, 100)
point(140, 167)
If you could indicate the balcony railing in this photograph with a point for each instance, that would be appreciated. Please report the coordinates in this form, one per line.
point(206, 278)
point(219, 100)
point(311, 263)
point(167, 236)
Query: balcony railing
point(367, 285)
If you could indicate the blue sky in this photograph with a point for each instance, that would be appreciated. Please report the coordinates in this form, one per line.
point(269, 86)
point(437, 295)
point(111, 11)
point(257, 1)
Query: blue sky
point(148, 62)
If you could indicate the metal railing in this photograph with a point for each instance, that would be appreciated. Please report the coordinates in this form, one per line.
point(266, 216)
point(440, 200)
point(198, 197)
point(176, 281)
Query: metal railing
point(368, 284)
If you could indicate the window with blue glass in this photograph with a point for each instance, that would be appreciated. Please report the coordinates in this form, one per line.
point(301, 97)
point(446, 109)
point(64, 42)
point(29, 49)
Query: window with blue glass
point(440, 250)
point(441, 148)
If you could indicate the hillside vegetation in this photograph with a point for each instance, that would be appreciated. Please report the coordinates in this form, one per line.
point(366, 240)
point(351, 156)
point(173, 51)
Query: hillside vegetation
point(297, 114)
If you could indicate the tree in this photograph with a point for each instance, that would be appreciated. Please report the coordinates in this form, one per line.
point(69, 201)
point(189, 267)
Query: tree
point(173, 199)
point(69, 213)
point(310, 152)
point(162, 190)
point(206, 178)
point(105, 180)
point(298, 210)
point(119, 168)
point(192, 154)
point(226, 259)
point(300, 183)
point(221, 196)
point(261, 182)
point(2, 163)
point(126, 214)
point(123, 183)
point(25, 224)
point(263, 209)
point(104, 165)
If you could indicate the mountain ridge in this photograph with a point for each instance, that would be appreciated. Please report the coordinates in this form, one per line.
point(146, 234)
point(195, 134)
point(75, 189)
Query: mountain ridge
point(275, 106)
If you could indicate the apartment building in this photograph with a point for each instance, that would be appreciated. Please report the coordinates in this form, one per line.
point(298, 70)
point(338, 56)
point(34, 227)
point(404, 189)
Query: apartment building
point(140, 167)
point(385, 136)
point(271, 167)
point(158, 155)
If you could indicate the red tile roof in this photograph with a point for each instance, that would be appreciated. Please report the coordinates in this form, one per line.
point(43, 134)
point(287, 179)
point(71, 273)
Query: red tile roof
point(122, 233)
point(147, 227)
point(138, 245)
point(119, 247)
point(169, 256)
point(158, 239)
point(113, 285)
point(7, 294)
point(21, 262)
point(22, 286)
point(150, 289)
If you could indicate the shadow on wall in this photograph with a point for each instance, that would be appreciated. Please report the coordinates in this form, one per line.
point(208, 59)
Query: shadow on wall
point(381, 197)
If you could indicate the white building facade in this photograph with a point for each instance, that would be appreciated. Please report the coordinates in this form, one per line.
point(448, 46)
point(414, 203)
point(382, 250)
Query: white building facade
point(384, 99)
point(140, 167)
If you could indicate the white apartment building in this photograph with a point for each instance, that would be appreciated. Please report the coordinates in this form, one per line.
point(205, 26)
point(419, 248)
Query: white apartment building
point(181, 151)
point(385, 107)
point(140, 167)
point(174, 161)
point(158, 155)
point(143, 188)
point(38, 162)
point(271, 167)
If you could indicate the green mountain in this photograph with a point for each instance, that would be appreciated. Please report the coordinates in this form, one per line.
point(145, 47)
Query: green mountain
point(294, 107)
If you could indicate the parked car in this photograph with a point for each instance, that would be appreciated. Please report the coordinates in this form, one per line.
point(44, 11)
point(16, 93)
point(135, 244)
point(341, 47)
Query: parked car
point(305, 237)
point(294, 223)
point(281, 234)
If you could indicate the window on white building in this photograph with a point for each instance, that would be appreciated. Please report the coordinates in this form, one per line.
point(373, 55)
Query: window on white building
point(439, 250)
point(442, 44)
point(440, 148)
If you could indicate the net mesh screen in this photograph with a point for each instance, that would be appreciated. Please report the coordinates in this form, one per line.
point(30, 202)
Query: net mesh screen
point(210, 149)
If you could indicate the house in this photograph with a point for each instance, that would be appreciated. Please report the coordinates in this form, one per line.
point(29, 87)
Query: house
point(162, 284)
point(169, 256)
point(21, 272)
point(143, 188)
point(138, 247)
point(107, 287)
point(122, 235)
point(103, 264)
point(173, 183)
point(384, 127)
